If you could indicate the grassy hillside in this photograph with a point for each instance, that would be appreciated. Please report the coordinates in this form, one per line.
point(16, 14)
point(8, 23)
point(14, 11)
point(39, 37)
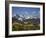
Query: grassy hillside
point(24, 26)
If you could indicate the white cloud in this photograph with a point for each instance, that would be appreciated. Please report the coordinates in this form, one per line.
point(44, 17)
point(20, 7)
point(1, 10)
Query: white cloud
point(21, 15)
point(27, 17)
point(20, 19)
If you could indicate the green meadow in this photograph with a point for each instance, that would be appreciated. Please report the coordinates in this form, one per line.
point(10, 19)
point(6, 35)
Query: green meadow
point(25, 26)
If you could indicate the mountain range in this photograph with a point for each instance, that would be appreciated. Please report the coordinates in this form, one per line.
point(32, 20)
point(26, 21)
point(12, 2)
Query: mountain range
point(28, 19)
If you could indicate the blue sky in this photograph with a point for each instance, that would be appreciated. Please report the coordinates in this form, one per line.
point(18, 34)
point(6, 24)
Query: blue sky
point(26, 11)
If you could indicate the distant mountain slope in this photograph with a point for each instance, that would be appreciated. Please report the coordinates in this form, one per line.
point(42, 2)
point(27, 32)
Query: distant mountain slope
point(33, 20)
